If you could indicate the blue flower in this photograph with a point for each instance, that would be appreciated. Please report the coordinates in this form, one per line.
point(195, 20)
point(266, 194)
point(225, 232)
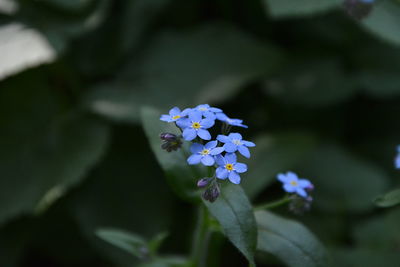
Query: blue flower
point(204, 154)
point(174, 114)
point(234, 122)
point(397, 159)
point(207, 111)
point(292, 184)
point(195, 125)
point(229, 168)
point(233, 142)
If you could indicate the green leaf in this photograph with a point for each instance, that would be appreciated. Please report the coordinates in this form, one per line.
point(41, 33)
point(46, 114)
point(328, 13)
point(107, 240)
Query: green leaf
point(288, 240)
point(290, 8)
point(129, 242)
point(342, 181)
point(170, 261)
point(155, 243)
point(384, 21)
point(389, 199)
point(210, 64)
point(234, 212)
point(274, 154)
point(354, 257)
point(180, 175)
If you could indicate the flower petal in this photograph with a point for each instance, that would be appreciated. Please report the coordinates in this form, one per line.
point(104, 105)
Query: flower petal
point(217, 150)
point(194, 159)
point(189, 134)
point(292, 176)
point(230, 158)
point(304, 183)
point(236, 136)
point(211, 144)
point(207, 123)
point(240, 167)
point(216, 110)
point(223, 138)
point(196, 148)
point(230, 147)
point(209, 115)
point(244, 151)
point(248, 143)
point(203, 134)
point(221, 116)
point(283, 178)
point(186, 111)
point(166, 118)
point(234, 177)
point(288, 188)
point(195, 116)
point(221, 173)
point(207, 160)
point(175, 111)
point(301, 192)
point(183, 123)
point(220, 160)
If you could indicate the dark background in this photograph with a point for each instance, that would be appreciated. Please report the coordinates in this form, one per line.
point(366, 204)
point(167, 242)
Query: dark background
point(319, 90)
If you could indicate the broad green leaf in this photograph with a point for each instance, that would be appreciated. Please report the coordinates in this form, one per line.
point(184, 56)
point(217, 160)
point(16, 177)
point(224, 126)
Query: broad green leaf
point(384, 21)
point(129, 242)
point(234, 212)
point(181, 176)
point(210, 64)
point(290, 241)
point(389, 199)
point(291, 8)
point(274, 154)
point(169, 261)
point(342, 181)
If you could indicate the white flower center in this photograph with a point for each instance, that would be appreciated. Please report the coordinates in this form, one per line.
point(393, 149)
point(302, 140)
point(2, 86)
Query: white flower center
point(205, 152)
point(236, 142)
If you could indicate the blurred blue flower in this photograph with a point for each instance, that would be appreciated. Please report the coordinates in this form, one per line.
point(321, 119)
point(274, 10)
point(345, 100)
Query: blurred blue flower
point(233, 142)
point(174, 114)
point(195, 125)
point(234, 122)
point(292, 184)
point(397, 159)
point(207, 111)
point(229, 167)
point(204, 154)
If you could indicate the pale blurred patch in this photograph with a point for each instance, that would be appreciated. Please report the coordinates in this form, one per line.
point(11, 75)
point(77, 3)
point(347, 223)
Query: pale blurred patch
point(8, 6)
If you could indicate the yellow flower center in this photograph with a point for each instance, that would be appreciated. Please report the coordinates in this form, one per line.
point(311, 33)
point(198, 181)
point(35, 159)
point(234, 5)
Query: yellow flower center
point(176, 117)
point(203, 109)
point(294, 183)
point(196, 125)
point(205, 152)
point(229, 167)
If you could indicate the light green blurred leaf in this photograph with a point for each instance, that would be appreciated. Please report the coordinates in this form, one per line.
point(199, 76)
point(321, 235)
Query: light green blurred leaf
point(384, 21)
point(291, 8)
point(181, 176)
point(290, 241)
point(234, 212)
point(389, 199)
point(274, 154)
point(210, 64)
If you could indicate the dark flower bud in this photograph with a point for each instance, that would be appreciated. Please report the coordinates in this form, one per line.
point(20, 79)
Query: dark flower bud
point(309, 188)
point(299, 204)
point(171, 142)
point(211, 193)
point(358, 9)
point(203, 182)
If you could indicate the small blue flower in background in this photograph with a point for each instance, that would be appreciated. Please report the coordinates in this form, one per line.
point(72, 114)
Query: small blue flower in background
point(204, 154)
point(397, 159)
point(174, 114)
point(292, 184)
point(233, 142)
point(207, 111)
point(229, 167)
point(234, 122)
point(195, 126)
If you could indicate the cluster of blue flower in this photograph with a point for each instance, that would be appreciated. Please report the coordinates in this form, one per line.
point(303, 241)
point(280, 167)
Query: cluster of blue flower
point(220, 153)
point(397, 159)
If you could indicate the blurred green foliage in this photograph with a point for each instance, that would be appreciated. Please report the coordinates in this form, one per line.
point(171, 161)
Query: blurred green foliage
point(319, 90)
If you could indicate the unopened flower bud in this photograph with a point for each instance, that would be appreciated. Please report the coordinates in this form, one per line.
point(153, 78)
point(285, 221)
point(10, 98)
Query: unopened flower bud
point(211, 193)
point(299, 204)
point(171, 142)
point(358, 9)
point(203, 182)
point(309, 188)
point(168, 137)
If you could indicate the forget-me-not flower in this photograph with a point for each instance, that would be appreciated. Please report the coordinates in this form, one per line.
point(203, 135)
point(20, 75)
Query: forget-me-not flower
point(229, 167)
point(204, 154)
point(397, 159)
point(174, 114)
point(292, 183)
point(234, 122)
point(195, 125)
point(233, 142)
point(207, 111)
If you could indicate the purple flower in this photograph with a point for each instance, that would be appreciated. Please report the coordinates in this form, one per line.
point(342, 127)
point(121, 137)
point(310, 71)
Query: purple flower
point(234, 122)
point(194, 126)
point(204, 154)
point(207, 111)
point(174, 114)
point(229, 168)
point(292, 184)
point(233, 142)
point(397, 159)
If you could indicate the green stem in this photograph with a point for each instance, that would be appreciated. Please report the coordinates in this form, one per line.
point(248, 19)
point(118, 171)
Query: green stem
point(201, 239)
point(271, 205)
